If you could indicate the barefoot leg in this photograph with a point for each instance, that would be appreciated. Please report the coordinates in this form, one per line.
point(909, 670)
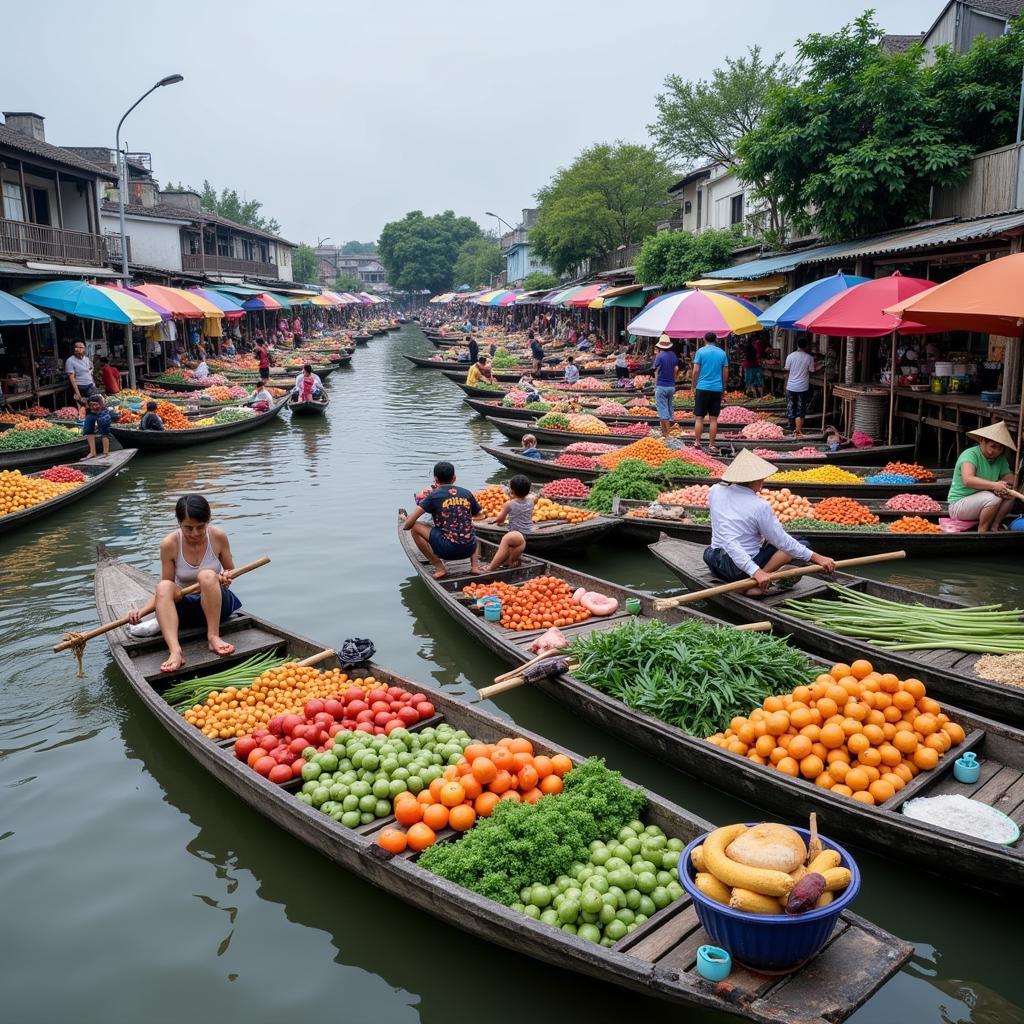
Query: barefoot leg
point(421, 538)
point(474, 562)
point(211, 599)
point(167, 594)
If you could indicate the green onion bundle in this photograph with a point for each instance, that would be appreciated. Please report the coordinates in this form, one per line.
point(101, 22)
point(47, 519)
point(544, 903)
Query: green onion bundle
point(983, 629)
point(190, 692)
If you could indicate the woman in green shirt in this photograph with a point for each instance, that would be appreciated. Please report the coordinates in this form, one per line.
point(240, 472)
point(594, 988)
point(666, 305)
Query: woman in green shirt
point(982, 479)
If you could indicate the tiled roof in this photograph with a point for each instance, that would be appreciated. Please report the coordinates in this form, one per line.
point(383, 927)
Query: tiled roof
point(897, 44)
point(170, 211)
point(55, 154)
point(1003, 8)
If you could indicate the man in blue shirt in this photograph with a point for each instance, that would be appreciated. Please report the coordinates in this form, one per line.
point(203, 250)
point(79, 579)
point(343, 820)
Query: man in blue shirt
point(710, 373)
point(665, 363)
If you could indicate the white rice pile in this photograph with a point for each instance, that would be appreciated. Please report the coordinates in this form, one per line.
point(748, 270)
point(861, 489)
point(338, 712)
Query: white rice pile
point(959, 814)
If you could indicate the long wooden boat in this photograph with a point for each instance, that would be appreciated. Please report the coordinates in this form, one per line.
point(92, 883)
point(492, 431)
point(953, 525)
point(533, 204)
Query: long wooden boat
point(310, 408)
point(459, 377)
point(132, 437)
point(545, 469)
point(881, 828)
point(505, 376)
point(554, 535)
point(948, 674)
point(493, 407)
point(47, 455)
point(656, 959)
point(98, 471)
point(361, 339)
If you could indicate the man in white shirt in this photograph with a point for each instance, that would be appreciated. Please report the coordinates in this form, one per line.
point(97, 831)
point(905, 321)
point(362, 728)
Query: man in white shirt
point(572, 371)
point(747, 538)
point(79, 371)
point(799, 366)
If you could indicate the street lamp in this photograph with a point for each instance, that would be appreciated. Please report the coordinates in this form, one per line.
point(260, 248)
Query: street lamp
point(500, 220)
point(320, 241)
point(122, 188)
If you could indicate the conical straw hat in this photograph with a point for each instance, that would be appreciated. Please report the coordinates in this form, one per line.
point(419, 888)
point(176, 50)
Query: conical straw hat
point(746, 468)
point(995, 432)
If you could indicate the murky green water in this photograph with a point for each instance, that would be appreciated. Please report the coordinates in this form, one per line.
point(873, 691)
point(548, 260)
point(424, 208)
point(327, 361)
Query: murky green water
point(135, 889)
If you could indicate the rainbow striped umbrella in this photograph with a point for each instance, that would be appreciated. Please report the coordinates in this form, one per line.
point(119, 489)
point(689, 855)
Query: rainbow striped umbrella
point(261, 301)
point(181, 303)
point(693, 313)
point(227, 305)
point(93, 302)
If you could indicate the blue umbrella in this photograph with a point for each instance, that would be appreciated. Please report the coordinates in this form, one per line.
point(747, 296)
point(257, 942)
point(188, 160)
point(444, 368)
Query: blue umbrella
point(797, 304)
point(15, 312)
point(92, 302)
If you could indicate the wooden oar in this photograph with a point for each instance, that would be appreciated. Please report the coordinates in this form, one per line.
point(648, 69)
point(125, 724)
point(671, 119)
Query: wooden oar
point(79, 640)
point(783, 574)
point(315, 659)
point(514, 679)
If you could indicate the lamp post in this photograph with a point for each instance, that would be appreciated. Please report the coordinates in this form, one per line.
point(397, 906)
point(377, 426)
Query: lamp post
point(500, 220)
point(122, 187)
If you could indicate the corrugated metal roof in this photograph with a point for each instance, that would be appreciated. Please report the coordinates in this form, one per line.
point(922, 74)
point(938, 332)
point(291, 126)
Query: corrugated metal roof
point(777, 264)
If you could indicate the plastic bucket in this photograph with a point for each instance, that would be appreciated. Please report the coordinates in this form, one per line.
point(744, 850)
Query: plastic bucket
point(491, 607)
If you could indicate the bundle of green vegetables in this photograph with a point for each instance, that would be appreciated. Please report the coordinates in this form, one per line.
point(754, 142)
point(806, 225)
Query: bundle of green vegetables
point(690, 675)
point(504, 360)
point(232, 414)
point(808, 523)
point(554, 421)
point(632, 478)
point(19, 440)
point(985, 629)
point(190, 692)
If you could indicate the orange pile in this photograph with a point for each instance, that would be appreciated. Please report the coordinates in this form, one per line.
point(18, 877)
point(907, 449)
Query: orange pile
point(853, 731)
point(913, 524)
point(845, 511)
point(173, 417)
point(33, 425)
point(786, 505)
point(472, 788)
point(537, 604)
point(492, 499)
point(909, 469)
point(648, 449)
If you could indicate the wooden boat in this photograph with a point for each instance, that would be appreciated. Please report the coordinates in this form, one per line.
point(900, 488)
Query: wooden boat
point(132, 437)
point(44, 456)
point(544, 469)
point(947, 674)
point(361, 339)
point(554, 535)
point(310, 408)
point(459, 377)
point(98, 471)
point(882, 828)
point(505, 376)
point(491, 406)
point(656, 959)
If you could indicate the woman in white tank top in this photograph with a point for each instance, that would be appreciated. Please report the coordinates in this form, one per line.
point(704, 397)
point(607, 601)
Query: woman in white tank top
point(196, 552)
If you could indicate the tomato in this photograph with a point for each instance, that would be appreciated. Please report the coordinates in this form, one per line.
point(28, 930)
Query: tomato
point(425, 709)
point(364, 727)
point(394, 692)
point(390, 727)
point(323, 719)
point(313, 707)
point(408, 715)
point(290, 722)
point(377, 694)
point(355, 706)
point(417, 698)
point(335, 729)
point(297, 745)
point(353, 693)
point(334, 707)
point(348, 723)
point(265, 765)
point(395, 705)
point(276, 725)
point(244, 746)
point(364, 716)
point(254, 755)
point(280, 773)
point(269, 743)
point(382, 718)
point(260, 733)
point(380, 705)
point(297, 766)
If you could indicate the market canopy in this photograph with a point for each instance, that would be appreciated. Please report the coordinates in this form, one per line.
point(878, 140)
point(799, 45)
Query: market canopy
point(857, 312)
point(227, 305)
point(731, 286)
point(181, 303)
point(586, 295)
point(262, 301)
point(92, 302)
point(804, 300)
point(15, 312)
point(560, 298)
point(692, 314)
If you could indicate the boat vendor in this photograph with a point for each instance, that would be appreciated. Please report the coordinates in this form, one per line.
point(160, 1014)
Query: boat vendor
point(202, 371)
point(982, 478)
point(196, 552)
point(572, 371)
point(452, 536)
point(97, 421)
point(261, 399)
point(308, 385)
point(263, 355)
point(536, 352)
point(151, 420)
point(479, 371)
point(78, 367)
point(527, 385)
point(474, 348)
point(747, 538)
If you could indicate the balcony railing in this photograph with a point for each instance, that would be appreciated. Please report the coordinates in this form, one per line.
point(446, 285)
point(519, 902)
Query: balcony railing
point(58, 245)
point(228, 264)
point(113, 245)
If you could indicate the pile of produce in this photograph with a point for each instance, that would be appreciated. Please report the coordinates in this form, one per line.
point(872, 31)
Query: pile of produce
point(540, 603)
point(589, 448)
point(63, 475)
point(585, 424)
point(485, 774)
point(632, 479)
point(641, 380)
point(575, 461)
point(233, 414)
point(492, 499)
point(356, 780)
point(762, 430)
point(811, 523)
point(689, 675)
point(638, 403)
point(632, 429)
point(514, 399)
point(861, 440)
point(913, 503)
point(37, 410)
point(545, 510)
point(504, 360)
point(844, 511)
point(566, 487)
point(889, 478)
point(66, 412)
point(695, 494)
point(786, 505)
point(807, 452)
point(608, 408)
point(853, 731)
point(643, 409)
point(19, 492)
point(173, 417)
point(817, 475)
point(1001, 668)
point(736, 414)
point(553, 421)
point(584, 384)
point(9, 419)
point(32, 425)
point(766, 869)
point(911, 469)
point(19, 439)
point(220, 393)
point(655, 452)
point(914, 524)
point(484, 385)
point(985, 629)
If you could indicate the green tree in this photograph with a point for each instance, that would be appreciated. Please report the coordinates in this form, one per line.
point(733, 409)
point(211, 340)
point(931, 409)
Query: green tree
point(348, 283)
point(229, 204)
point(701, 122)
point(478, 263)
point(419, 252)
point(671, 258)
point(539, 279)
point(611, 195)
point(305, 265)
point(359, 248)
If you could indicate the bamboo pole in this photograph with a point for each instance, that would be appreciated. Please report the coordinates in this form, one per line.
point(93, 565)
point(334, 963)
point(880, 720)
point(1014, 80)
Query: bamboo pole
point(315, 659)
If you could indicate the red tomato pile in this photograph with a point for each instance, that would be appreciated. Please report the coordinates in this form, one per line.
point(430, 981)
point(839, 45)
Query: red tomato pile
point(574, 461)
point(633, 429)
point(63, 475)
point(276, 751)
point(566, 487)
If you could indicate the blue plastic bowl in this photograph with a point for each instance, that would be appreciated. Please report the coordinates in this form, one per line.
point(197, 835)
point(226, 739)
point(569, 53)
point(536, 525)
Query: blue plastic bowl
point(769, 942)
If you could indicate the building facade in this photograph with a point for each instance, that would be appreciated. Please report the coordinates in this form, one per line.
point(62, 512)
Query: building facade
point(515, 247)
point(365, 266)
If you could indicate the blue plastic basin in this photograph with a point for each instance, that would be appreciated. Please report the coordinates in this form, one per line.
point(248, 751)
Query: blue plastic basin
point(770, 942)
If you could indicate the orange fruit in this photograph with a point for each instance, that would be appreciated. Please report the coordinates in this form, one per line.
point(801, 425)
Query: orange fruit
point(871, 757)
point(777, 754)
point(811, 766)
point(435, 789)
point(393, 840)
point(954, 732)
point(882, 791)
point(420, 836)
point(903, 771)
point(832, 736)
point(850, 726)
point(452, 793)
point(856, 779)
point(938, 741)
point(914, 687)
point(926, 758)
point(777, 724)
point(543, 766)
point(838, 770)
point(894, 780)
point(471, 786)
point(799, 747)
point(856, 709)
point(890, 755)
point(475, 750)
point(531, 796)
point(838, 671)
point(462, 817)
point(929, 706)
point(520, 760)
point(825, 781)
point(903, 700)
point(858, 743)
point(528, 777)
point(800, 717)
point(838, 694)
point(925, 724)
point(864, 797)
point(485, 803)
point(828, 707)
point(502, 782)
point(788, 766)
point(842, 790)
point(561, 764)
point(502, 759)
point(484, 769)
point(861, 668)
point(408, 812)
point(764, 746)
point(773, 704)
point(875, 735)
point(435, 816)
point(802, 694)
point(512, 795)
point(552, 784)
point(521, 745)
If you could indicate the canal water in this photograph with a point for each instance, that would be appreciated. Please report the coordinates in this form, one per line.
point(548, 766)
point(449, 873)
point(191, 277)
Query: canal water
point(135, 889)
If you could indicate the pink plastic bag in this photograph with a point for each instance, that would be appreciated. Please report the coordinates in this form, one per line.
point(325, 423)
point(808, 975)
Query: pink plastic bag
point(957, 525)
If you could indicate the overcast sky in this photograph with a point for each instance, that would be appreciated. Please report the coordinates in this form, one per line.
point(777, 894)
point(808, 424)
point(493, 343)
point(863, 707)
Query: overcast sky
point(342, 116)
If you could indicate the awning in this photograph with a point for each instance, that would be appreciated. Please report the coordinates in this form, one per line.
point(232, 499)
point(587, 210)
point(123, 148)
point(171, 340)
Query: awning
point(731, 286)
point(181, 303)
point(231, 309)
point(92, 302)
point(586, 295)
point(780, 263)
point(635, 299)
point(263, 301)
point(15, 312)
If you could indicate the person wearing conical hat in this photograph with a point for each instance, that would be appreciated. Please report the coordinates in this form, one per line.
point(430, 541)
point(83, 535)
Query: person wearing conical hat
point(980, 491)
point(747, 538)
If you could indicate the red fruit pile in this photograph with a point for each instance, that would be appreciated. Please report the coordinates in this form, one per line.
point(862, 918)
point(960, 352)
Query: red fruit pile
point(633, 429)
point(276, 751)
point(574, 461)
point(566, 487)
point(63, 475)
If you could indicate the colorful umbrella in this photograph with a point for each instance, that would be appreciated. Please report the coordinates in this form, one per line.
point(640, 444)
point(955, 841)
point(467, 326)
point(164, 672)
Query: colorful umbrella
point(92, 302)
point(804, 300)
point(179, 302)
point(231, 309)
point(15, 312)
point(586, 295)
point(261, 301)
point(857, 312)
point(692, 314)
point(560, 298)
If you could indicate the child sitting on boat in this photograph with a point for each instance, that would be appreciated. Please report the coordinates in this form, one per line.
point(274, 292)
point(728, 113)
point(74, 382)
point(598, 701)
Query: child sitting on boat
point(529, 448)
point(518, 513)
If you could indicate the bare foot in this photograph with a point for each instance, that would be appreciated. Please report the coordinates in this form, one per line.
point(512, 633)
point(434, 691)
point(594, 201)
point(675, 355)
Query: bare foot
point(476, 570)
point(174, 662)
point(439, 574)
point(86, 458)
point(515, 564)
point(221, 647)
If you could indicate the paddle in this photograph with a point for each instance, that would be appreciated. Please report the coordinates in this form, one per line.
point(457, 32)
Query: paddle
point(315, 659)
point(520, 676)
point(77, 641)
point(664, 604)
